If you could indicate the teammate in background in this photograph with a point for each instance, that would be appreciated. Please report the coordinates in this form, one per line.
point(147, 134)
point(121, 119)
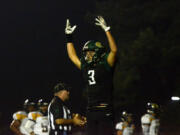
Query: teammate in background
point(150, 121)
point(126, 126)
point(97, 67)
point(41, 124)
point(20, 117)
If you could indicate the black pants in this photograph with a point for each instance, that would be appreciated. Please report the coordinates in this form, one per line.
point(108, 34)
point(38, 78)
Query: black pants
point(100, 123)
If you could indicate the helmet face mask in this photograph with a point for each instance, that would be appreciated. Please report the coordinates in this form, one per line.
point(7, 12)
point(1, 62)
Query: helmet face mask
point(43, 109)
point(92, 52)
point(42, 105)
point(89, 56)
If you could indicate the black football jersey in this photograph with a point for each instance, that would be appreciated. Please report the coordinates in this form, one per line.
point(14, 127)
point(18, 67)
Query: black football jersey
point(98, 82)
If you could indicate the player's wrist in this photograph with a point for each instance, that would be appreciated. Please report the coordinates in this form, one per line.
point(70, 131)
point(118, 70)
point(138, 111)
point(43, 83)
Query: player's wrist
point(107, 28)
point(69, 38)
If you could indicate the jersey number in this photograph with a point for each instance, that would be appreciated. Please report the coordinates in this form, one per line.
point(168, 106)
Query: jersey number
point(44, 128)
point(91, 79)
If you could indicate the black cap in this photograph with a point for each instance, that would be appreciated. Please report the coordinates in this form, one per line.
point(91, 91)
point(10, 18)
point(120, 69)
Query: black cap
point(61, 86)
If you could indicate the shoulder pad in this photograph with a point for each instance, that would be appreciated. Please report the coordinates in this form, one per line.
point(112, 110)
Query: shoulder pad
point(119, 126)
point(19, 115)
point(146, 119)
point(34, 115)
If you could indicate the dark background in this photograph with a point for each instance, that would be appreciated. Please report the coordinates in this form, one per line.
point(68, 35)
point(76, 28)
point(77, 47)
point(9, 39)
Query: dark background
point(33, 53)
point(33, 50)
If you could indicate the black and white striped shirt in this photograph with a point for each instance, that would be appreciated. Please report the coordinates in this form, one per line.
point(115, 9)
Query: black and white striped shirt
point(58, 110)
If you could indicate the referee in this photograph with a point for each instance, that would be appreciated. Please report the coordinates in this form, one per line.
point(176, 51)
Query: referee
point(60, 117)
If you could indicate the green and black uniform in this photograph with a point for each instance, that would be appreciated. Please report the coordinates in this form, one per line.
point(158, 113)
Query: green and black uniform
point(58, 110)
point(99, 85)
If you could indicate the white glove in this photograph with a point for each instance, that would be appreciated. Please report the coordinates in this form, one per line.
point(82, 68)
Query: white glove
point(69, 29)
point(101, 22)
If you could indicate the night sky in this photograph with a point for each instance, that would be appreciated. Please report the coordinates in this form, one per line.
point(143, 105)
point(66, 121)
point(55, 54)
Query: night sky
point(33, 49)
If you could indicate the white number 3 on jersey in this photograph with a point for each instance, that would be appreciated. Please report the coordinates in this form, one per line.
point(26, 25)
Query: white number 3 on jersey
point(91, 74)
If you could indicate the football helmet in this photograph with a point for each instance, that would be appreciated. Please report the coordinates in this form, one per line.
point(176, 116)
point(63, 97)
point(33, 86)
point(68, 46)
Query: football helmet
point(42, 102)
point(29, 105)
point(152, 108)
point(29, 102)
point(42, 106)
point(125, 115)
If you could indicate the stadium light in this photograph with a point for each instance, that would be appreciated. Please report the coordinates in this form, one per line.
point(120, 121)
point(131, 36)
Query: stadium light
point(175, 98)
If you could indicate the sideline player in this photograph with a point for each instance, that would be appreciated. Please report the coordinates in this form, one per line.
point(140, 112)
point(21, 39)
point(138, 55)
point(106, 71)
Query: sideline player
point(20, 117)
point(41, 124)
point(33, 117)
point(126, 126)
point(97, 67)
point(150, 121)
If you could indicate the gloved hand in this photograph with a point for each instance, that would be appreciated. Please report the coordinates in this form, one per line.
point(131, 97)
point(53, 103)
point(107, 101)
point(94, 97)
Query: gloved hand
point(69, 29)
point(101, 22)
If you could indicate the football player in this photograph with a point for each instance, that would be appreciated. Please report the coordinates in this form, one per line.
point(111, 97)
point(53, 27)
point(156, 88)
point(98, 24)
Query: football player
point(97, 67)
point(150, 121)
point(36, 117)
point(20, 117)
point(41, 125)
point(126, 126)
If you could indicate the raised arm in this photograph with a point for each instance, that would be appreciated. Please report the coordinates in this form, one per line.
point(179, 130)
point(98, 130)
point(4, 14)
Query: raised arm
point(113, 49)
point(112, 44)
point(70, 46)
